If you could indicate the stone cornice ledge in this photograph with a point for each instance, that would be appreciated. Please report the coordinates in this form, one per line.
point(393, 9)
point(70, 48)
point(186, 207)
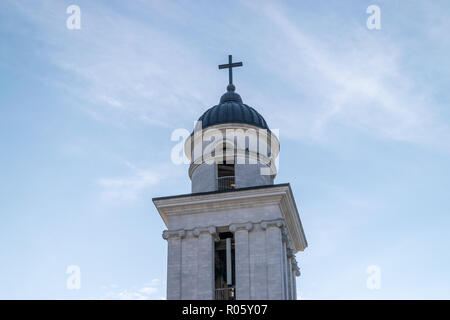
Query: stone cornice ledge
point(280, 195)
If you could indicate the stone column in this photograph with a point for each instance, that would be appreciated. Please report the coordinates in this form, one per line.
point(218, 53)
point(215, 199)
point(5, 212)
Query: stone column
point(258, 266)
point(274, 256)
point(189, 266)
point(242, 259)
point(173, 263)
point(205, 258)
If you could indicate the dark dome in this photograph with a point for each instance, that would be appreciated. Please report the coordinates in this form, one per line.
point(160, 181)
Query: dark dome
point(231, 109)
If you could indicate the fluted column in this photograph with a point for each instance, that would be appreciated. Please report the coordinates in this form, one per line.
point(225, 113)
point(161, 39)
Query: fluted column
point(173, 263)
point(242, 259)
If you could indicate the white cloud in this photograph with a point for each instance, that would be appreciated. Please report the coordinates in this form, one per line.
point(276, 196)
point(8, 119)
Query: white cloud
point(355, 81)
point(128, 188)
point(125, 68)
point(120, 67)
point(138, 182)
point(149, 291)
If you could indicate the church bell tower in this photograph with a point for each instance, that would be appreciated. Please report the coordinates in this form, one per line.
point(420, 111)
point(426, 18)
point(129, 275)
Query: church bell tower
point(236, 234)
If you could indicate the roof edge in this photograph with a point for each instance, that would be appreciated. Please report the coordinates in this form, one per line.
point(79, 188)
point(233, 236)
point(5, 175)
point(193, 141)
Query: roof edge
point(217, 192)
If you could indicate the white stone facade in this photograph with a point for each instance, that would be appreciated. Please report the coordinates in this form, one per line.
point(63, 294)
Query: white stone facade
point(253, 151)
point(267, 234)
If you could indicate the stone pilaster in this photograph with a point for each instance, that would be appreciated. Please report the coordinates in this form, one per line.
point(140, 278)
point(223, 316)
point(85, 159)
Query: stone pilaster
point(258, 267)
point(189, 265)
point(173, 263)
point(205, 258)
point(242, 259)
point(274, 256)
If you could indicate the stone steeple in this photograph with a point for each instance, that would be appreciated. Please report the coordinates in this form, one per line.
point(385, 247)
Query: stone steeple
point(236, 235)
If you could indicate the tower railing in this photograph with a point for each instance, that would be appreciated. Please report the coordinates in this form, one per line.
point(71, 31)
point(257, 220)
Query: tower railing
point(224, 294)
point(225, 183)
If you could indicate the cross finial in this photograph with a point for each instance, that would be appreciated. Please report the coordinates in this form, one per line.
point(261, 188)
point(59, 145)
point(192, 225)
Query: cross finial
point(230, 65)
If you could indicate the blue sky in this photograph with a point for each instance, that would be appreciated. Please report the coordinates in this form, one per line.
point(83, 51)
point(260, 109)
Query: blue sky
point(87, 115)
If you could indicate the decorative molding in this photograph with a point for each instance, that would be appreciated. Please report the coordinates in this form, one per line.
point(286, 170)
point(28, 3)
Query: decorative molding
point(286, 238)
point(241, 154)
point(277, 223)
point(241, 226)
point(295, 267)
point(275, 195)
point(197, 231)
point(290, 253)
point(197, 138)
point(249, 226)
point(293, 222)
point(218, 201)
point(173, 234)
point(185, 233)
point(252, 225)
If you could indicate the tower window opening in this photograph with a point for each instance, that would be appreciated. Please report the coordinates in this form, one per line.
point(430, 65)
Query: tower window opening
point(225, 177)
point(224, 267)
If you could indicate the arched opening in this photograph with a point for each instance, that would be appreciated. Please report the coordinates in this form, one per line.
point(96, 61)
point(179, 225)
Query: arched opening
point(224, 267)
point(226, 172)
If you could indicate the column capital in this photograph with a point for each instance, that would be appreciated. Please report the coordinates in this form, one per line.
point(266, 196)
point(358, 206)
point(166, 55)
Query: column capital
point(295, 267)
point(285, 236)
point(199, 230)
point(290, 253)
point(241, 226)
point(278, 223)
point(169, 234)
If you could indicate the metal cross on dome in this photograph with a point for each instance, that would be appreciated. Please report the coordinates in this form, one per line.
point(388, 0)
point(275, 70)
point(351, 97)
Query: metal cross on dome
point(230, 65)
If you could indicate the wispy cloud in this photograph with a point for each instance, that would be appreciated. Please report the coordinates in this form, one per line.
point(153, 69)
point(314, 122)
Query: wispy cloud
point(124, 68)
point(121, 67)
point(149, 291)
point(129, 188)
point(355, 82)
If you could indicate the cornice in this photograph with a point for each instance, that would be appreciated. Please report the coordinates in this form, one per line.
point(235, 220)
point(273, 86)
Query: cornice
point(280, 195)
point(189, 233)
